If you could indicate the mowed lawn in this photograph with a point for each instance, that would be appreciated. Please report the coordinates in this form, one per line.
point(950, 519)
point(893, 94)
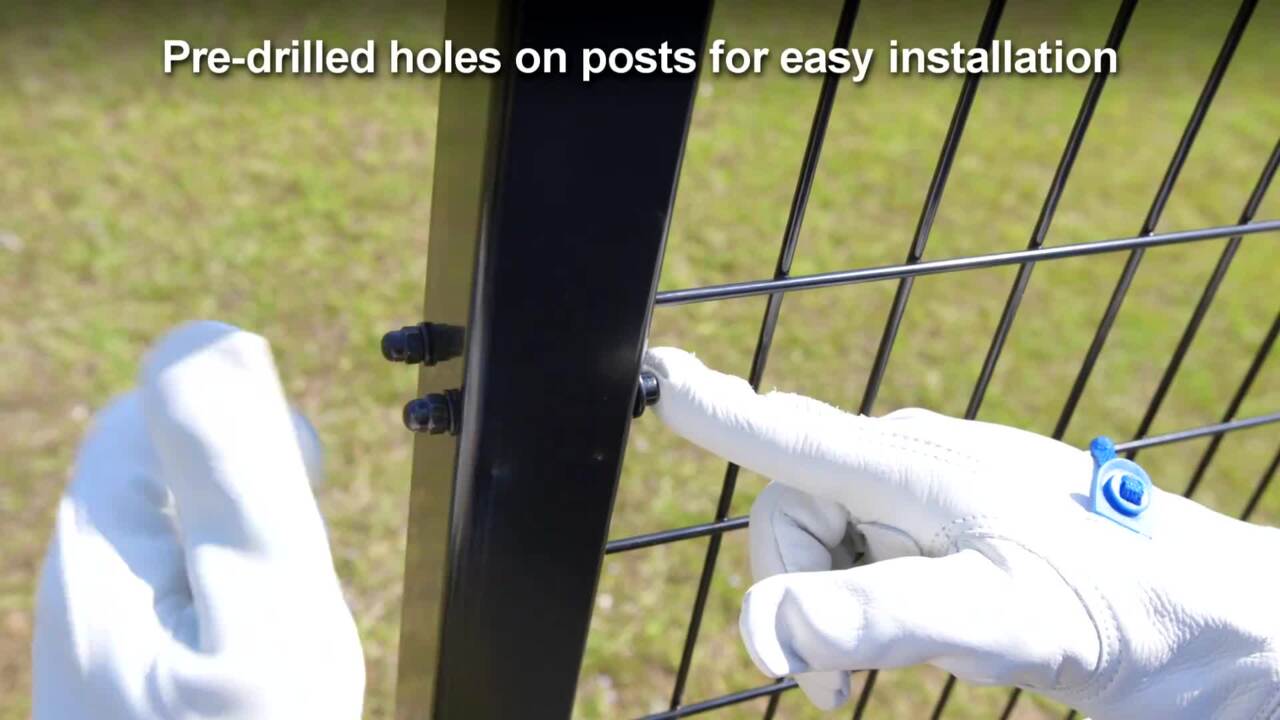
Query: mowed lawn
point(299, 207)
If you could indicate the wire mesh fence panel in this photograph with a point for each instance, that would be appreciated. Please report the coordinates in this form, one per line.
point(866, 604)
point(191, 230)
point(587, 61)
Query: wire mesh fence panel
point(1020, 298)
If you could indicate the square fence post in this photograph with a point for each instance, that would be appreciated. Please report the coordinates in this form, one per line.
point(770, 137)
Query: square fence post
point(552, 198)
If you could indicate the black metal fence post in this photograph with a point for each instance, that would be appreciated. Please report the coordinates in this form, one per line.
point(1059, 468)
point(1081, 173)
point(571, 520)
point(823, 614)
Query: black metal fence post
point(552, 200)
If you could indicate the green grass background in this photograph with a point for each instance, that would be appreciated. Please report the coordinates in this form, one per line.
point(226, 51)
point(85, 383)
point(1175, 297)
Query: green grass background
point(299, 207)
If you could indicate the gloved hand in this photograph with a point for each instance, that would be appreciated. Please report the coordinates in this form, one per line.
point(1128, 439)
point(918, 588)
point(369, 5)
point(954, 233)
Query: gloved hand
point(984, 561)
point(189, 574)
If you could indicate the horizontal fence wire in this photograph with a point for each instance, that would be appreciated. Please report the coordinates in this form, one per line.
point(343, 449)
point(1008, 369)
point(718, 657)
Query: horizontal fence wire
point(1219, 429)
point(752, 288)
point(1216, 430)
point(1233, 407)
point(772, 690)
point(786, 253)
point(662, 537)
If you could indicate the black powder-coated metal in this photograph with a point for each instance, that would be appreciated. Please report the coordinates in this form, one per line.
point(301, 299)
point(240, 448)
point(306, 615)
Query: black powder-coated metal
point(723, 701)
point(1198, 114)
point(1041, 230)
point(578, 202)
point(668, 536)
point(936, 267)
point(1233, 407)
point(932, 201)
point(790, 239)
point(771, 708)
point(1207, 296)
point(1216, 429)
point(1263, 483)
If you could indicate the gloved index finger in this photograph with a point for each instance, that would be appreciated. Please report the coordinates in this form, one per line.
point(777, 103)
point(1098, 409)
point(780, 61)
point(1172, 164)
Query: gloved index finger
point(865, 462)
point(228, 451)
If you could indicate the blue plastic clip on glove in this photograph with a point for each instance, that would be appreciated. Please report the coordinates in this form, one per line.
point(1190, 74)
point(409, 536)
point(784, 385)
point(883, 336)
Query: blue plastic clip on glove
point(986, 558)
point(189, 574)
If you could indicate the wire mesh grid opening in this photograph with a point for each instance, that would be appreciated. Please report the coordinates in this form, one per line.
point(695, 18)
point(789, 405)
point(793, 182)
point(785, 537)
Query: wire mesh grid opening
point(1028, 341)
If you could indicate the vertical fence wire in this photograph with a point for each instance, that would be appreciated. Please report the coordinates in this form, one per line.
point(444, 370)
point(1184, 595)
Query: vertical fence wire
point(1047, 210)
point(933, 199)
point(1234, 406)
point(772, 708)
point(1263, 483)
point(790, 239)
point(868, 687)
point(1207, 296)
point(1176, 163)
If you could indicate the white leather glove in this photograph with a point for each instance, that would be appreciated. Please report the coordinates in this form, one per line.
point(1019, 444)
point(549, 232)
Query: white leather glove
point(189, 574)
point(984, 561)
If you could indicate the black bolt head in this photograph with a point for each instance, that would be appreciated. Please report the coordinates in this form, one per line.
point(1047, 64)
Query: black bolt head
point(647, 393)
point(431, 414)
point(407, 345)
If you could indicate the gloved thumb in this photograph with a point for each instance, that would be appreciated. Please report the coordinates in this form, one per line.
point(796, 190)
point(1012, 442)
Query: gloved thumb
point(231, 453)
point(961, 612)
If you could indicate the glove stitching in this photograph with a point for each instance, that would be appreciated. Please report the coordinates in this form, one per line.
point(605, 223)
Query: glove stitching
point(1110, 648)
point(946, 539)
point(1111, 655)
point(1111, 652)
point(945, 453)
point(773, 519)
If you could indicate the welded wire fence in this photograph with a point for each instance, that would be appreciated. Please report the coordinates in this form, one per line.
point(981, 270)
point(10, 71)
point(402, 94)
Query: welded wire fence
point(914, 265)
point(525, 419)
